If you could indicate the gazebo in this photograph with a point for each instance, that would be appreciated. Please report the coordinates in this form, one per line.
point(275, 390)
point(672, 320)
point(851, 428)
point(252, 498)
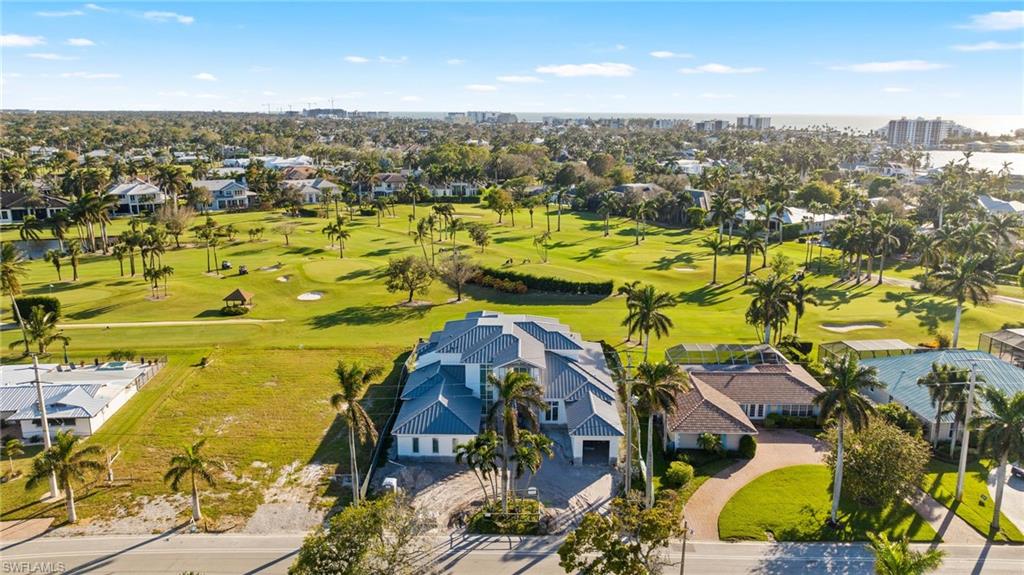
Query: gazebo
point(238, 297)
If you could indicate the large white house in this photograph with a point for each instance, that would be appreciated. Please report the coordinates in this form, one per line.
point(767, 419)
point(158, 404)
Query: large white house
point(225, 194)
point(80, 399)
point(312, 190)
point(137, 197)
point(447, 395)
point(811, 223)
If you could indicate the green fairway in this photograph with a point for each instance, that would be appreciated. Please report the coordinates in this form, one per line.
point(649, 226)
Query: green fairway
point(977, 505)
point(793, 504)
point(268, 384)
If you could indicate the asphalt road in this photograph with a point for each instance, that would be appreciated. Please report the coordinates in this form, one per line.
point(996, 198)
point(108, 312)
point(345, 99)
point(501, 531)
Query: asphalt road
point(272, 554)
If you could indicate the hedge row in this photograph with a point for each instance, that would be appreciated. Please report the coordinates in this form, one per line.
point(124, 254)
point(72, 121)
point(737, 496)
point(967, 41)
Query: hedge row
point(48, 303)
point(550, 284)
point(507, 286)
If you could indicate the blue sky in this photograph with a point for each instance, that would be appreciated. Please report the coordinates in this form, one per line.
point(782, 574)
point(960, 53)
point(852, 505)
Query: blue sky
point(797, 58)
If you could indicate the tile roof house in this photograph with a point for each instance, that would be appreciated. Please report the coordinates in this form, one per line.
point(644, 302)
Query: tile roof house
point(14, 206)
point(900, 375)
point(726, 400)
point(446, 395)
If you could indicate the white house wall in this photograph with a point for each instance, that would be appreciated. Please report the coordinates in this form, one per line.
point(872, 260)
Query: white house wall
point(691, 441)
point(446, 448)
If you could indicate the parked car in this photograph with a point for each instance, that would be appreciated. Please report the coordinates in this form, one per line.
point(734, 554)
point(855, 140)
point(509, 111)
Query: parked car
point(225, 265)
point(1017, 470)
point(243, 270)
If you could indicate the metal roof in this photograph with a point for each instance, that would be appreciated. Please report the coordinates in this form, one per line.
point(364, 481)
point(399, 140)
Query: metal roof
point(1010, 337)
point(723, 353)
point(70, 401)
point(554, 340)
point(442, 410)
point(900, 374)
point(592, 417)
point(873, 344)
point(499, 349)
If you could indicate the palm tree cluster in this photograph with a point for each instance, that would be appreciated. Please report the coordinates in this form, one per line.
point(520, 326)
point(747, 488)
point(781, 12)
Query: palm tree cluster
point(646, 308)
point(773, 297)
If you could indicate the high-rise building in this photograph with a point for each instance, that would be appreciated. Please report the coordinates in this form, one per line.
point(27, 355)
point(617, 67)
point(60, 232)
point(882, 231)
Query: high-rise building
point(711, 125)
point(753, 122)
point(918, 132)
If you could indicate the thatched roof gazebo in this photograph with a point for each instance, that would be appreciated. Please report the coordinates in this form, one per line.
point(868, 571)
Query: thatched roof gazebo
point(239, 297)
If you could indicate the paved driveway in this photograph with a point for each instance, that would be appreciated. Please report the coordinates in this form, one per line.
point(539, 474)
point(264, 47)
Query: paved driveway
point(1013, 496)
point(776, 448)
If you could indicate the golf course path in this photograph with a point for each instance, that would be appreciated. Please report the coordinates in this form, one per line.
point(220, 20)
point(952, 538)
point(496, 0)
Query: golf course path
point(914, 285)
point(236, 321)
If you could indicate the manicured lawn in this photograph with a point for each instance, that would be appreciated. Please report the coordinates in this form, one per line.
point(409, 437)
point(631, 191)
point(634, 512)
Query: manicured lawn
point(940, 483)
point(793, 504)
point(263, 399)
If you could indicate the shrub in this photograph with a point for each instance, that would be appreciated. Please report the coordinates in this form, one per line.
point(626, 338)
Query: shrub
point(748, 446)
point(550, 284)
point(503, 285)
point(677, 475)
point(774, 420)
point(523, 518)
point(49, 304)
point(234, 310)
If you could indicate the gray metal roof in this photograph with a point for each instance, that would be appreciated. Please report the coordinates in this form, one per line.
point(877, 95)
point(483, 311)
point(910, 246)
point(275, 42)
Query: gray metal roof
point(900, 374)
point(873, 344)
point(497, 350)
point(444, 409)
point(470, 339)
point(593, 417)
point(425, 377)
point(1011, 337)
point(72, 401)
point(14, 398)
point(566, 381)
point(552, 340)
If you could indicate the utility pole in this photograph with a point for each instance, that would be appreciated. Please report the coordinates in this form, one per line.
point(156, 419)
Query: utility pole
point(629, 422)
point(966, 442)
point(682, 559)
point(110, 464)
point(54, 492)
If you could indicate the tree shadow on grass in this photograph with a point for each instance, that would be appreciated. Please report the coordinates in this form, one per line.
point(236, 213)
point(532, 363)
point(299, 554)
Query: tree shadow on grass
point(366, 315)
point(382, 252)
point(58, 287)
point(834, 298)
point(92, 312)
point(668, 262)
point(929, 313)
point(597, 252)
point(365, 273)
point(707, 295)
point(304, 251)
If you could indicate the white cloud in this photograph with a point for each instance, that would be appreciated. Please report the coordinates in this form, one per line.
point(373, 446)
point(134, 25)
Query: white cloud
point(411, 99)
point(208, 96)
point(19, 41)
point(714, 68)
point(896, 90)
point(891, 66)
point(618, 96)
point(620, 47)
point(80, 42)
point(717, 96)
point(205, 76)
point(1009, 20)
point(269, 93)
point(605, 69)
point(260, 69)
point(97, 8)
point(455, 61)
point(174, 94)
point(90, 75)
point(158, 16)
point(663, 54)
point(60, 14)
point(481, 88)
point(519, 79)
point(387, 60)
point(50, 56)
point(988, 46)
point(356, 59)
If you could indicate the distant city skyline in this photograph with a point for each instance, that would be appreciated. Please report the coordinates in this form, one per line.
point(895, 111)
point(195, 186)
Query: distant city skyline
point(942, 59)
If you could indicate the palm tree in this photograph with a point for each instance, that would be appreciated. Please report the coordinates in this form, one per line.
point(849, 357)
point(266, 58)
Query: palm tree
point(58, 223)
point(479, 454)
point(171, 179)
point(31, 228)
point(720, 211)
point(1001, 435)
point(939, 394)
point(801, 295)
point(643, 210)
point(41, 326)
point(886, 242)
point(353, 379)
point(842, 399)
point(609, 205)
point(715, 244)
point(74, 253)
point(656, 386)
point(646, 314)
point(965, 279)
point(120, 251)
point(191, 463)
point(54, 257)
point(518, 396)
point(342, 234)
point(13, 267)
point(13, 447)
point(749, 242)
point(770, 305)
point(331, 231)
point(68, 463)
point(929, 252)
point(529, 454)
point(896, 557)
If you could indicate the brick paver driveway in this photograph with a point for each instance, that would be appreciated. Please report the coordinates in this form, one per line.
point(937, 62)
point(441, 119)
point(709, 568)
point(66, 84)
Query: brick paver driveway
point(776, 448)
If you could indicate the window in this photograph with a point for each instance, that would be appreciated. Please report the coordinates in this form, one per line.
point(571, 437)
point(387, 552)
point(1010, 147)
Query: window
point(435, 445)
point(455, 444)
point(486, 391)
point(950, 427)
point(760, 410)
point(801, 410)
point(415, 444)
point(551, 414)
point(521, 369)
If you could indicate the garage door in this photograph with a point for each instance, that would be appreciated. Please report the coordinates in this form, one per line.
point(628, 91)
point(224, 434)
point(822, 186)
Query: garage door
point(595, 453)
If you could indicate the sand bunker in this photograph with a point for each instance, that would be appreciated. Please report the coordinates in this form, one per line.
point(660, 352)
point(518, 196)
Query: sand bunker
point(310, 296)
point(284, 279)
point(845, 327)
point(272, 268)
point(685, 269)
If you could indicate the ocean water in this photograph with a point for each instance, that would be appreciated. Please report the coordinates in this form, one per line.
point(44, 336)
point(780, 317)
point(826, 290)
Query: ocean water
point(992, 161)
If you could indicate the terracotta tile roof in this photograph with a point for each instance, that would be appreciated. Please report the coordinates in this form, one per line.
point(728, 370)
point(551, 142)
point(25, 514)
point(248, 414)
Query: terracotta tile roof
point(763, 384)
point(705, 410)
